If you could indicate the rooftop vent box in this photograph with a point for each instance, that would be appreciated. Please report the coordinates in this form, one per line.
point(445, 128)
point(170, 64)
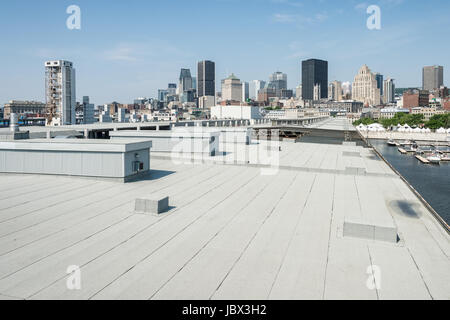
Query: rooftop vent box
point(152, 206)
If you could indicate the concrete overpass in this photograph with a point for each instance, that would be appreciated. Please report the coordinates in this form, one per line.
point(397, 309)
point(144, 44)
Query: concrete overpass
point(101, 130)
point(324, 128)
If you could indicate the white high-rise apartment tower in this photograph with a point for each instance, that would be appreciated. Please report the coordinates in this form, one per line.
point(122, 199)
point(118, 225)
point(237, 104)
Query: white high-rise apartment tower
point(60, 93)
point(389, 91)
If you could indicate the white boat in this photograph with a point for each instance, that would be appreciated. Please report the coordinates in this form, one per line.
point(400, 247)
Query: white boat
point(407, 143)
point(411, 147)
point(391, 143)
point(444, 156)
point(434, 158)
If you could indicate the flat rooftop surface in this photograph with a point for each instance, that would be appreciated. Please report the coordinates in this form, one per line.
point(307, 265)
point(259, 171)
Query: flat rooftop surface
point(232, 233)
point(341, 124)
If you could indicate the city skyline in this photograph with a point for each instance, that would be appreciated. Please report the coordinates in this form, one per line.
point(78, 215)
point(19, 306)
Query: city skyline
point(114, 64)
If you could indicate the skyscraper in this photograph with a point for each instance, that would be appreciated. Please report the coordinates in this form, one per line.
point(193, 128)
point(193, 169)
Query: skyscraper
point(206, 79)
point(335, 91)
point(88, 111)
point(432, 77)
point(232, 89)
point(172, 89)
point(254, 87)
point(379, 77)
point(389, 91)
point(162, 94)
point(299, 92)
point(60, 93)
point(278, 81)
point(185, 90)
point(365, 88)
point(314, 72)
point(185, 81)
point(245, 91)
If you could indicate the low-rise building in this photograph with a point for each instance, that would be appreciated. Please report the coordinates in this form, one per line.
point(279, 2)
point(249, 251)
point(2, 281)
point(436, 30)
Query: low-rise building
point(389, 113)
point(373, 113)
point(170, 115)
point(291, 103)
point(206, 102)
point(428, 113)
point(293, 114)
point(276, 114)
point(23, 108)
point(446, 104)
point(349, 106)
point(235, 112)
point(265, 94)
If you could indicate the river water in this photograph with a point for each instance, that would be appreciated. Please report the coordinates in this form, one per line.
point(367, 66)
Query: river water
point(431, 181)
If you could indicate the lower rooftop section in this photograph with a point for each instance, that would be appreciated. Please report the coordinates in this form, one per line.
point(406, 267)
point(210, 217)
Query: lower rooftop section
point(180, 142)
point(12, 136)
point(123, 160)
point(232, 231)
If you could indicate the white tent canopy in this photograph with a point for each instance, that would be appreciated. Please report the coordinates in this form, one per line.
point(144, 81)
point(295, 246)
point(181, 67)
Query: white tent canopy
point(376, 127)
point(362, 127)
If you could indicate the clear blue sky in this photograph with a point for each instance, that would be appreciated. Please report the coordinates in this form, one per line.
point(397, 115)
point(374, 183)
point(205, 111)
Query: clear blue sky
point(129, 49)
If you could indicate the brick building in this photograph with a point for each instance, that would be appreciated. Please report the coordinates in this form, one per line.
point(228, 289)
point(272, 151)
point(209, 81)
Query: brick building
point(416, 98)
point(446, 104)
point(264, 95)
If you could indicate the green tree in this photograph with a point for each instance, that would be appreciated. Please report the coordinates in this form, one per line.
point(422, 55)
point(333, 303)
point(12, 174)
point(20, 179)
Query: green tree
point(439, 121)
point(404, 118)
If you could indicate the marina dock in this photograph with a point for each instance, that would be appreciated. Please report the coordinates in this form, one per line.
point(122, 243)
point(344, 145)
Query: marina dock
point(422, 159)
